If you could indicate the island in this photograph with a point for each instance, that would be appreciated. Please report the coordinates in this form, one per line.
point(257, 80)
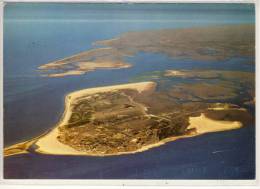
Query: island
point(129, 118)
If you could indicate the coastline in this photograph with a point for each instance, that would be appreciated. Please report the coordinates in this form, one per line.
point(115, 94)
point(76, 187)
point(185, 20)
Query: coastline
point(48, 144)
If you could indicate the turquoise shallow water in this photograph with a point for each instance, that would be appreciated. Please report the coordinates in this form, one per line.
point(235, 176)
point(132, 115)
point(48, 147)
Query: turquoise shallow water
point(35, 34)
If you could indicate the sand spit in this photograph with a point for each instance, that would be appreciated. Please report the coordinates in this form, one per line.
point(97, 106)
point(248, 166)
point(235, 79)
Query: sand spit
point(87, 61)
point(202, 124)
point(71, 72)
point(65, 61)
point(20, 148)
point(84, 67)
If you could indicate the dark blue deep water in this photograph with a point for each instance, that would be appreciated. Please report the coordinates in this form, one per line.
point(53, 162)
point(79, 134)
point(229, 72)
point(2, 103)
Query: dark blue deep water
point(35, 34)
